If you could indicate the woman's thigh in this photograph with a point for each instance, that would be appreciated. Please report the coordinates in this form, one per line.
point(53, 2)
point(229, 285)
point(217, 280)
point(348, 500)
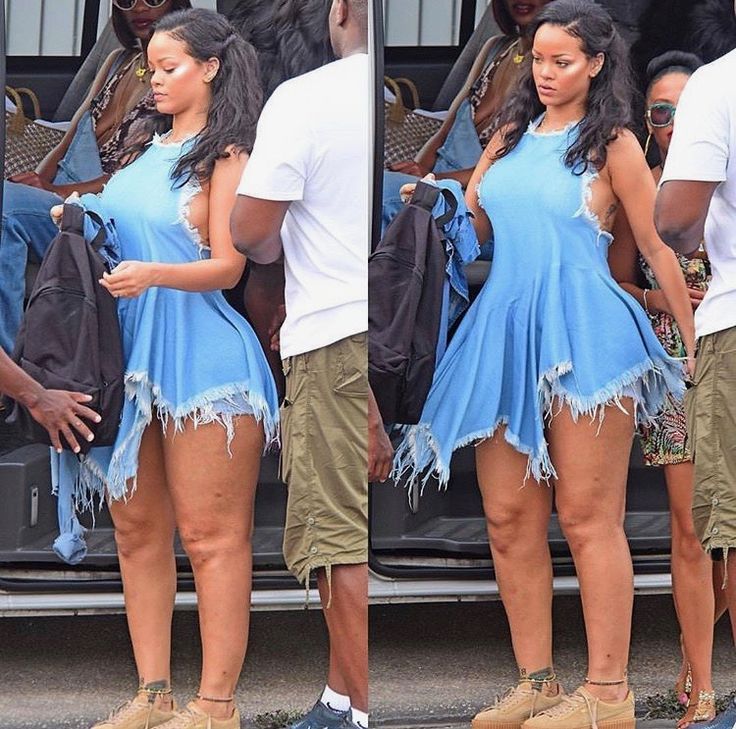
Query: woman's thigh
point(212, 482)
point(591, 458)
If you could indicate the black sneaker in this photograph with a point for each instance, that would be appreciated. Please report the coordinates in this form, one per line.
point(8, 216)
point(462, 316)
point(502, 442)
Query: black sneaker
point(321, 716)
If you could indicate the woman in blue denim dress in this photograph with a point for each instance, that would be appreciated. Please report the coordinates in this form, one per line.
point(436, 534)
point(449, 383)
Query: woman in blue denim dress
point(200, 400)
point(554, 364)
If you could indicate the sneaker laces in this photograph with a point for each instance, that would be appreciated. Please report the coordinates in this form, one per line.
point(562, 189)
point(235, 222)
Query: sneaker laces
point(126, 710)
point(571, 703)
point(512, 697)
point(188, 717)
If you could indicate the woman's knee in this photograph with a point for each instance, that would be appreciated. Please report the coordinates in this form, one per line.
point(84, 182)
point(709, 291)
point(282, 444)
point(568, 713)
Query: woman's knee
point(685, 542)
point(205, 542)
point(505, 527)
point(135, 538)
point(583, 527)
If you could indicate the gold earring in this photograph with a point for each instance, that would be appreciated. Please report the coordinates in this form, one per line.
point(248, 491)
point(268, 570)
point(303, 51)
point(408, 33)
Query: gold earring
point(648, 144)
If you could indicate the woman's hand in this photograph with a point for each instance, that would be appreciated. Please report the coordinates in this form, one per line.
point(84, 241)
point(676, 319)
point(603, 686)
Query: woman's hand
point(409, 167)
point(696, 297)
point(130, 279)
point(33, 180)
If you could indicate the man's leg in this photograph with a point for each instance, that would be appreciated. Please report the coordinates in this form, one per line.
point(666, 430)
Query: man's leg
point(324, 462)
point(347, 624)
point(26, 226)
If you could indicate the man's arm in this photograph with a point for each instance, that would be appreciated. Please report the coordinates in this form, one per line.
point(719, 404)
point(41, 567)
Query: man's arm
point(380, 450)
point(680, 213)
point(56, 410)
point(255, 226)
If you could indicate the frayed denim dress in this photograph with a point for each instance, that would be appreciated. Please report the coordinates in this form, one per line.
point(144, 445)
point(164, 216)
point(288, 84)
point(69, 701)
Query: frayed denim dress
point(550, 327)
point(188, 355)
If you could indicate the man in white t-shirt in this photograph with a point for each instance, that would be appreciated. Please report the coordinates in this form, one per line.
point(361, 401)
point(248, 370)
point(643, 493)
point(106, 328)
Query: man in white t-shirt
point(304, 194)
point(696, 201)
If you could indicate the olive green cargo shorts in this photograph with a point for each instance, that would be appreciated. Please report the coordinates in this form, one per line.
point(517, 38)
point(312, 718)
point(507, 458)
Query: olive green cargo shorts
point(711, 420)
point(324, 457)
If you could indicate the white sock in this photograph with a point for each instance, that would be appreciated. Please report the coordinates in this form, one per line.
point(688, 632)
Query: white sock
point(332, 700)
point(359, 717)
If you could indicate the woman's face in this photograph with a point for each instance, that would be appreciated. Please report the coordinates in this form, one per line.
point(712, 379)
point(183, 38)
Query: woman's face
point(140, 18)
point(665, 90)
point(562, 71)
point(179, 81)
point(522, 12)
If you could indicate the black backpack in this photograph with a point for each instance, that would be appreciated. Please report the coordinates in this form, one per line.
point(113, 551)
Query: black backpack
point(406, 275)
point(70, 335)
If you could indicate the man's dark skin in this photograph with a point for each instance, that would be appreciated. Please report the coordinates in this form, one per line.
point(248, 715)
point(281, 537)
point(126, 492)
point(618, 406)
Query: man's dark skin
point(256, 230)
point(679, 214)
point(59, 411)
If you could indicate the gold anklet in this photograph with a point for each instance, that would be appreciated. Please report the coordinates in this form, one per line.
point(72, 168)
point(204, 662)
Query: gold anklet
point(606, 683)
point(216, 701)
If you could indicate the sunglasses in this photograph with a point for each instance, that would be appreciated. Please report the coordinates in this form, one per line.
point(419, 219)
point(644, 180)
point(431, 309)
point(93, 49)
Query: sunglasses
point(661, 115)
point(130, 4)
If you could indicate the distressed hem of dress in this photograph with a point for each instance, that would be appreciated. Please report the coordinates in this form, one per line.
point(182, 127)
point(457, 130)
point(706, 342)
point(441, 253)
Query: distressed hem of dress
point(304, 572)
point(419, 454)
point(94, 482)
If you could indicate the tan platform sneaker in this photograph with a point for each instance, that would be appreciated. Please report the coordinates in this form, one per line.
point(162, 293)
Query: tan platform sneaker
point(519, 704)
point(192, 717)
point(138, 713)
point(582, 710)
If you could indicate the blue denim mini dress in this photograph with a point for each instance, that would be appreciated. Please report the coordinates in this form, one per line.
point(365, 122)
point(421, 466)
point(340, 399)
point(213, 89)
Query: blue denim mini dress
point(550, 327)
point(188, 355)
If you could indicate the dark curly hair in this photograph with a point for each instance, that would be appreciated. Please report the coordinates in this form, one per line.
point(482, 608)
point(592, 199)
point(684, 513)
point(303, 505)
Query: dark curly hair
point(291, 37)
point(608, 109)
point(237, 97)
point(122, 30)
point(713, 29)
point(671, 62)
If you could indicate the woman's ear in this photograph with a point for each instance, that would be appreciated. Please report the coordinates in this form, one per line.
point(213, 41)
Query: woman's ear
point(597, 64)
point(212, 67)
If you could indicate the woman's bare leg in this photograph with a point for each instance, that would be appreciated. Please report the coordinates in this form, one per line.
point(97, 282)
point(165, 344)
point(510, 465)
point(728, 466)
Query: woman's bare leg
point(592, 459)
point(692, 579)
point(213, 495)
point(517, 520)
point(144, 532)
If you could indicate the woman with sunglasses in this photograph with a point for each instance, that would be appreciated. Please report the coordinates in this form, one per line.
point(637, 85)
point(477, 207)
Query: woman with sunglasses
point(695, 578)
point(111, 116)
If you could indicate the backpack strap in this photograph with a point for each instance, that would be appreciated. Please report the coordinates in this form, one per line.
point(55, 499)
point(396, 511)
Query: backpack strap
point(72, 221)
point(451, 208)
point(425, 195)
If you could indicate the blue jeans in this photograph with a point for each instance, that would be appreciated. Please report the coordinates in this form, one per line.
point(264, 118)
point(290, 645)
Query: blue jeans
point(27, 229)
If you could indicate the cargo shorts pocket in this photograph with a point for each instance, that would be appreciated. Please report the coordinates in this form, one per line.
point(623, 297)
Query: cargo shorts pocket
point(351, 367)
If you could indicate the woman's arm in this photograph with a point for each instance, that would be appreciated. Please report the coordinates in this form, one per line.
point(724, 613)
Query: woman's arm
point(426, 158)
point(633, 185)
point(221, 271)
point(46, 170)
point(623, 260)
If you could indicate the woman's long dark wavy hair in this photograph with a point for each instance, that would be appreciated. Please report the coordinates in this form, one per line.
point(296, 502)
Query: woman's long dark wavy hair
point(608, 109)
point(122, 30)
point(237, 97)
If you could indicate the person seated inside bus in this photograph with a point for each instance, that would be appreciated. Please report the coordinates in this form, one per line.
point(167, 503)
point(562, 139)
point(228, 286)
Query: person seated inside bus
point(106, 123)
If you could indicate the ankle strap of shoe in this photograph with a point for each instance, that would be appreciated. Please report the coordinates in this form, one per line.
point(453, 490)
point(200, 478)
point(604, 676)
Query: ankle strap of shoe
point(216, 701)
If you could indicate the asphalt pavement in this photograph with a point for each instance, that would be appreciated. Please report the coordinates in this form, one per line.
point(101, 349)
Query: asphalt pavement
point(432, 665)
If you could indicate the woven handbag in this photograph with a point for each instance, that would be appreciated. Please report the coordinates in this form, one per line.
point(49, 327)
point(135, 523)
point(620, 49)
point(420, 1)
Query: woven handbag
point(406, 131)
point(26, 142)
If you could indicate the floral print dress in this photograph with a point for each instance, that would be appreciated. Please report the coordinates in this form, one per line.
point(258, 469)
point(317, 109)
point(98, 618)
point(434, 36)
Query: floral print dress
point(666, 442)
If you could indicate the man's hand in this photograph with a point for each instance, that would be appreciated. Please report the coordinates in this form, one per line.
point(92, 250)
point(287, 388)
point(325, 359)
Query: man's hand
point(409, 167)
point(380, 450)
point(33, 180)
point(274, 330)
point(60, 411)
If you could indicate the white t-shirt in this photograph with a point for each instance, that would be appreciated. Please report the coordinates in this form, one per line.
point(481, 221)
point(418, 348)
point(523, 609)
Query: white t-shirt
point(313, 148)
point(703, 149)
